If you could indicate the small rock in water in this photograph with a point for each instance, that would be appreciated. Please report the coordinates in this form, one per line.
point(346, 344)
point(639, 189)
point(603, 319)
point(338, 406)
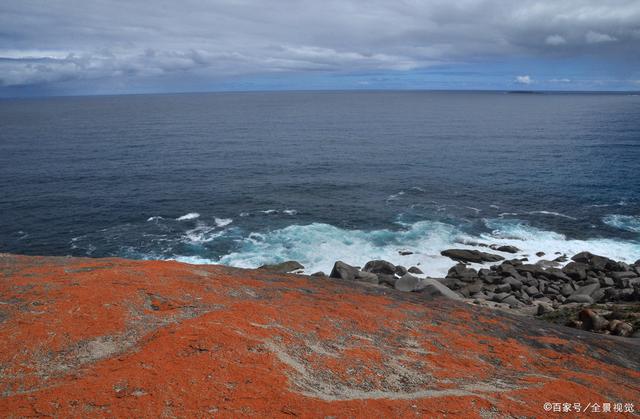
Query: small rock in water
point(405, 252)
point(540, 254)
point(472, 256)
point(414, 270)
point(507, 249)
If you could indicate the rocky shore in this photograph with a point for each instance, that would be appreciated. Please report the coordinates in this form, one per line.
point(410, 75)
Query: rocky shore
point(590, 292)
point(111, 338)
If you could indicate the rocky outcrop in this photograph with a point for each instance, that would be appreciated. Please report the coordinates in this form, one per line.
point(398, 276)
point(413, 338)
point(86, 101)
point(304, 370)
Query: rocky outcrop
point(471, 256)
point(121, 338)
point(284, 267)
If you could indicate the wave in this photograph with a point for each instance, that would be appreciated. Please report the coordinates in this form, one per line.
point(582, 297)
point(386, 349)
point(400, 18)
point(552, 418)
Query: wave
point(154, 218)
point(317, 246)
point(530, 240)
point(222, 222)
point(189, 216)
point(555, 214)
point(623, 222)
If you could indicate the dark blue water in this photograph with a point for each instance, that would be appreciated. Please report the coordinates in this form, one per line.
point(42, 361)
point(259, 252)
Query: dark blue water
point(319, 176)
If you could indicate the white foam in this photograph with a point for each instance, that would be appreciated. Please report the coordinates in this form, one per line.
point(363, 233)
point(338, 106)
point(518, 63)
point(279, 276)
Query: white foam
point(154, 218)
point(555, 214)
point(290, 212)
point(317, 246)
point(244, 214)
point(623, 222)
point(189, 216)
point(269, 211)
point(531, 240)
point(222, 222)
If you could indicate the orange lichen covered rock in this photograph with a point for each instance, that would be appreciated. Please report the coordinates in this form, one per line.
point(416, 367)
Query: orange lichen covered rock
point(122, 338)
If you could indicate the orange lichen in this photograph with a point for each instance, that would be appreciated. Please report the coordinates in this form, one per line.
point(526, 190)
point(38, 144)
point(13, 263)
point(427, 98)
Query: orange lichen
point(111, 337)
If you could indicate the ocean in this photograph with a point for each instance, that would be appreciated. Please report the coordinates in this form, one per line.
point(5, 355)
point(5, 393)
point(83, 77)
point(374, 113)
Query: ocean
point(245, 179)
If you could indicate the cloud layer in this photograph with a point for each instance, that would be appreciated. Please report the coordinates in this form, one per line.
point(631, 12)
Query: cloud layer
point(123, 41)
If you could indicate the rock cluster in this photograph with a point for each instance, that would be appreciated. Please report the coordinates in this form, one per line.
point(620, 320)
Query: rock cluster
point(537, 289)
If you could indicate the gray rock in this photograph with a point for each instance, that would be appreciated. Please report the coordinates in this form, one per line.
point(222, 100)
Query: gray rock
point(400, 270)
point(452, 283)
point(622, 275)
point(503, 288)
point(284, 267)
point(532, 291)
point(407, 283)
point(343, 271)
point(576, 270)
point(507, 249)
point(380, 267)
point(544, 308)
point(620, 328)
point(470, 256)
point(556, 274)
point(587, 289)
point(434, 288)
point(598, 263)
point(414, 270)
point(512, 301)
point(567, 290)
point(579, 298)
point(461, 272)
point(607, 282)
point(514, 283)
point(385, 279)
point(500, 296)
point(368, 277)
point(319, 273)
point(540, 254)
point(405, 252)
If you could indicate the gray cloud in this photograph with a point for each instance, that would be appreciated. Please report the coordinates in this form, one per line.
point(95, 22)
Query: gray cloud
point(44, 42)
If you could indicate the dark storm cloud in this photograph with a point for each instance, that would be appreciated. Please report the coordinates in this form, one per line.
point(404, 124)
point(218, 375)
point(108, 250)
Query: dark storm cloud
point(51, 41)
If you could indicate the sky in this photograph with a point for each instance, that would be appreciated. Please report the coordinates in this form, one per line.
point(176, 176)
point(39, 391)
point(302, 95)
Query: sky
point(80, 47)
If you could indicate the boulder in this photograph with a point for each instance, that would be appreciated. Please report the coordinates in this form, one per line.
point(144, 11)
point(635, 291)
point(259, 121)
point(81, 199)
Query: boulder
point(369, 277)
point(556, 274)
point(507, 249)
point(405, 252)
point(434, 288)
point(283, 268)
point(514, 283)
point(544, 308)
point(380, 267)
point(451, 283)
point(415, 270)
point(343, 271)
point(620, 328)
point(385, 279)
point(461, 272)
point(576, 270)
point(579, 298)
point(319, 273)
point(540, 254)
point(400, 270)
point(471, 256)
point(407, 283)
point(592, 321)
point(597, 263)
